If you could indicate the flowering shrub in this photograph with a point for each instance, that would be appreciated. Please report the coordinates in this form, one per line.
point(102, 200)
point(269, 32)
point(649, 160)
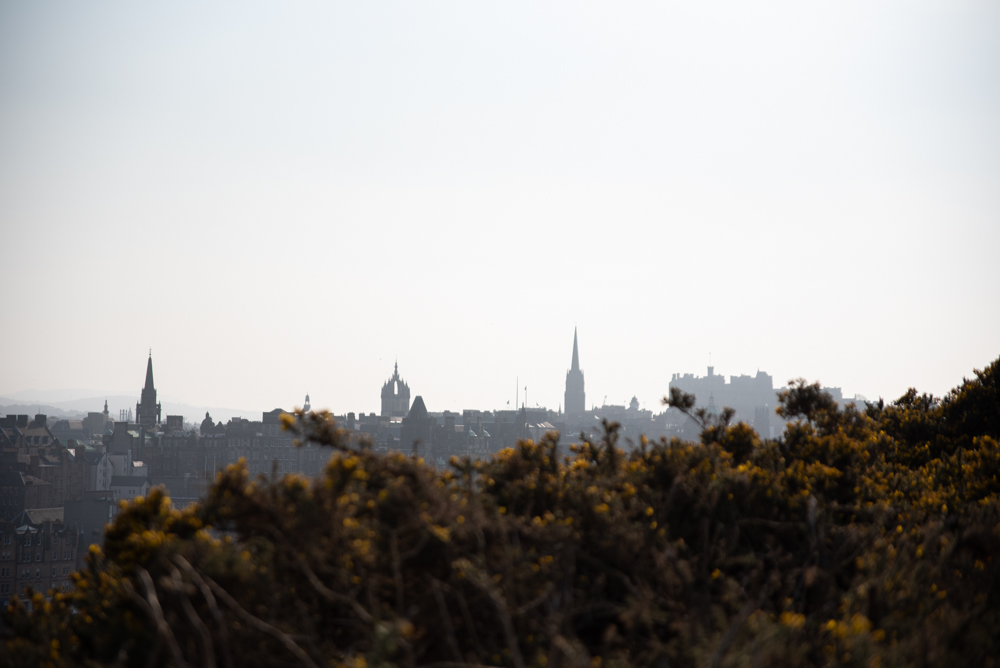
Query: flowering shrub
point(861, 537)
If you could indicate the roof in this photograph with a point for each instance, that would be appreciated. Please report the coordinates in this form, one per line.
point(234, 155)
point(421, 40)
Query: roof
point(93, 456)
point(128, 480)
point(42, 515)
point(11, 479)
point(418, 409)
point(30, 480)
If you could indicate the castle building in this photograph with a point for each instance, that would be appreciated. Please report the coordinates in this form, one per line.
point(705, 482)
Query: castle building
point(147, 411)
point(575, 403)
point(395, 396)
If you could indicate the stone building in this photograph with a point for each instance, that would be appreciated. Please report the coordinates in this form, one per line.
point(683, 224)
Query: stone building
point(38, 551)
point(129, 487)
point(65, 468)
point(395, 396)
point(749, 396)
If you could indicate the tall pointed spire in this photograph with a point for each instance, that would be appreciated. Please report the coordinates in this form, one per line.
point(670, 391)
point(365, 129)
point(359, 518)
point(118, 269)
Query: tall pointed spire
point(147, 410)
point(576, 399)
point(576, 354)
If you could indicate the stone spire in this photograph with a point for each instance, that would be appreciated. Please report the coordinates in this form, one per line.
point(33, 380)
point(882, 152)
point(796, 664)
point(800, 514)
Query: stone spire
point(147, 410)
point(149, 370)
point(575, 397)
point(576, 354)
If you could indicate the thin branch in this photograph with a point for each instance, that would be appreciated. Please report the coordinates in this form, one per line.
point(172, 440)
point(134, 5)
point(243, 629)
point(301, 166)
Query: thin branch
point(415, 550)
point(446, 618)
point(179, 587)
point(535, 603)
point(594, 561)
point(467, 616)
point(482, 581)
point(206, 592)
point(397, 573)
point(330, 594)
point(731, 632)
point(261, 625)
point(162, 628)
point(144, 604)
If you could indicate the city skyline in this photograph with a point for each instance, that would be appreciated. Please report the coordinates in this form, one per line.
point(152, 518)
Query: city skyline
point(395, 397)
point(285, 199)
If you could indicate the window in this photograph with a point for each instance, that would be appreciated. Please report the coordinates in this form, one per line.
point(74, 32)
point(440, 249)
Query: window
point(54, 573)
point(65, 570)
point(38, 556)
point(38, 572)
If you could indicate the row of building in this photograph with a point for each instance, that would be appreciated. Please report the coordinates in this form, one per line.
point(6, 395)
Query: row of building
point(60, 483)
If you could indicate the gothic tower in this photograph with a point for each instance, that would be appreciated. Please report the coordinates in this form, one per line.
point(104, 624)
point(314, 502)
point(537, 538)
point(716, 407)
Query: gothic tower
point(395, 396)
point(147, 411)
point(576, 403)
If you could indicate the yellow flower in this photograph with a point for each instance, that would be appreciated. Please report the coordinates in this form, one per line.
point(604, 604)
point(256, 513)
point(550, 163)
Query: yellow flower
point(792, 620)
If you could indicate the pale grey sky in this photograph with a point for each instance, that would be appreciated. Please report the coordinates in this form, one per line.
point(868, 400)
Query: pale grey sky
point(285, 197)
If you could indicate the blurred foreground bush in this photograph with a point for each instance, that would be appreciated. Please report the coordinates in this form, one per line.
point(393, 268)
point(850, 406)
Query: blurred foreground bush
point(861, 537)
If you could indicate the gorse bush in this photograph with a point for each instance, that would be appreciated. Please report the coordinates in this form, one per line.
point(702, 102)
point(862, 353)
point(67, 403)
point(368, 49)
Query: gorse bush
point(863, 537)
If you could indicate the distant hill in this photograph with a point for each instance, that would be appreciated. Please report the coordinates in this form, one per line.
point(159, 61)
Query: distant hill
point(9, 407)
point(78, 407)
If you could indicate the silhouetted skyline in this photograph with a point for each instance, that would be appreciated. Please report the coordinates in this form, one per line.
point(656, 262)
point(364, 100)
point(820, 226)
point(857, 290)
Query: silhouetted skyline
point(286, 199)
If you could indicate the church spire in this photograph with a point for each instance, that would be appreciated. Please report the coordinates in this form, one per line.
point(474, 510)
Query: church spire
point(149, 372)
point(576, 399)
point(576, 354)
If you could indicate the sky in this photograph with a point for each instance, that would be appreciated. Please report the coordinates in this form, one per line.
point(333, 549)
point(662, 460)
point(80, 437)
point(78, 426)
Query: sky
point(282, 198)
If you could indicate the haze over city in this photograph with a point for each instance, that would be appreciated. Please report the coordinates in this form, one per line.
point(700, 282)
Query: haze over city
point(287, 199)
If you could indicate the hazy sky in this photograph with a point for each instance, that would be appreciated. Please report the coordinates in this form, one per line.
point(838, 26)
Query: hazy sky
point(281, 198)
